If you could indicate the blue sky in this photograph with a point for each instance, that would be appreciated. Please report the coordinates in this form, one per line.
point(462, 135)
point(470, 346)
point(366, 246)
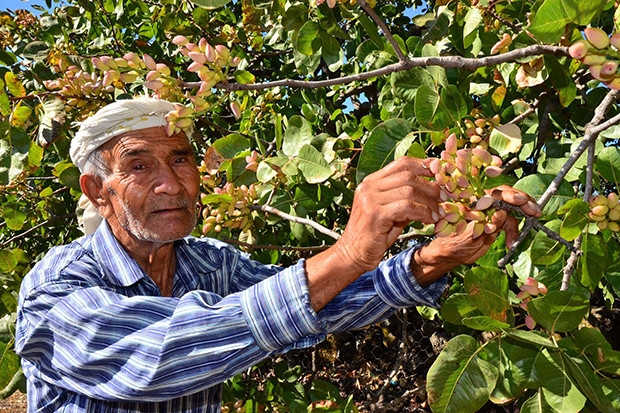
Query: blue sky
point(19, 4)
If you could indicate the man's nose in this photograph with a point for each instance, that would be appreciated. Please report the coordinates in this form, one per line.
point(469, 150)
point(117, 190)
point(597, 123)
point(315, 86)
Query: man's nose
point(168, 181)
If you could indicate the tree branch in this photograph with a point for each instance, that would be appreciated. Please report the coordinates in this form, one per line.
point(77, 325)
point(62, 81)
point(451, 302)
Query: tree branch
point(303, 221)
point(592, 131)
point(448, 62)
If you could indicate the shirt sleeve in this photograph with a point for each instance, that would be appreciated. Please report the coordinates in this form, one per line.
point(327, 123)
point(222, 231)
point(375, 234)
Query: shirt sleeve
point(377, 294)
point(112, 347)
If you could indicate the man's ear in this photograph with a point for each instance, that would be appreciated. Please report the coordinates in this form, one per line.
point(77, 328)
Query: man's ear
point(92, 187)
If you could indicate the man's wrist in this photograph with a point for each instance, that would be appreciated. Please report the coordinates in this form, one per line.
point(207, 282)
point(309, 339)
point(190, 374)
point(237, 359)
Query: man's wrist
point(427, 266)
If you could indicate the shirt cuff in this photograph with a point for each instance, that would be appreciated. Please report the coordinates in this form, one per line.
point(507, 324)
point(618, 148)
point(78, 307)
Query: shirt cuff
point(398, 287)
point(279, 313)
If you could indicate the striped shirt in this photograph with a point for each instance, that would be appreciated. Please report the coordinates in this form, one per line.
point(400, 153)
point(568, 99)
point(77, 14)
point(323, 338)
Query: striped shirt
point(95, 335)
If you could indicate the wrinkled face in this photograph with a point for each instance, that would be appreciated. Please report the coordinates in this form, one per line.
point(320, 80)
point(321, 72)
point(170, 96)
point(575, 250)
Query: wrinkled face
point(152, 192)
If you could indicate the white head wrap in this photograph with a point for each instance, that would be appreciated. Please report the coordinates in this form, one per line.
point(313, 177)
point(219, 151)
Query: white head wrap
point(113, 120)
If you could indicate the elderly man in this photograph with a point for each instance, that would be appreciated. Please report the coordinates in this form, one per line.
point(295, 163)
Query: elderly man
point(139, 317)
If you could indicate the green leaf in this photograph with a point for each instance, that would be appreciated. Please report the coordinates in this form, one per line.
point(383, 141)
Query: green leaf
point(5, 103)
point(549, 22)
point(589, 384)
point(473, 19)
point(231, 145)
point(457, 307)
point(425, 106)
point(583, 12)
point(535, 185)
point(8, 261)
point(488, 288)
point(460, 381)
point(608, 164)
point(484, 323)
point(593, 262)
point(10, 370)
point(558, 389)
point(297, 134)
point(371, 30)
point(575, 218)
point(36, 50)
point(210, 4)
point(308, 39)
point(405, 84)
point(559, 311)
point(14, 216)
point(295, 17)
point(68, 174)
point(534, 338)
point(545, 250)
point(380, 146)
point(505, 139)
point(313, 165)
point(244, 77)
point(514, 362)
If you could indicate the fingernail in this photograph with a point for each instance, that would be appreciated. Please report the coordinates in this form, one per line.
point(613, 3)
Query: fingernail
point(520, 198)
point(435, 216)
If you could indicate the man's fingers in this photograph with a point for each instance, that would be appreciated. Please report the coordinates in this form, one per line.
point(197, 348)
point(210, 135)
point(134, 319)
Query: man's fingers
point(511, 228)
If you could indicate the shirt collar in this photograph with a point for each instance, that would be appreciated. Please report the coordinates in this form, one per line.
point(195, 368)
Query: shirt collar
point(117, 265)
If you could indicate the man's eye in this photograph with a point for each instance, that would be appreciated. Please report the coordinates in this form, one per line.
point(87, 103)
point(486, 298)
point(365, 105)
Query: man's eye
point(180, 160)
point(139, 167)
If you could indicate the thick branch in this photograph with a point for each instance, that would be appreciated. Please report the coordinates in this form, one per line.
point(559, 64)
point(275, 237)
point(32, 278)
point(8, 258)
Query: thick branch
point(447, 62)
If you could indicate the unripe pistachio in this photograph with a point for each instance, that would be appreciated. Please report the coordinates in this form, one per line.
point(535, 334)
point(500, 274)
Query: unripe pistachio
point(195, 67)
point(596, 72)
point(593, 59)
point(235, 109)
point(180, 40)
point(597, 37)
point(600, 199)
point(609, 68)
point(579, 49)
point(612, 199)
point(614, 40)
point(493, 171)
point(149, 62)
point(484, 202)
point(109, 62)
point(612, 225)
point(600, 210)
point(613, 83)
point(163, 69)
point(614, 214)
point(99, 64)
point(597, 218)
point(198, 57)
point(602, 224)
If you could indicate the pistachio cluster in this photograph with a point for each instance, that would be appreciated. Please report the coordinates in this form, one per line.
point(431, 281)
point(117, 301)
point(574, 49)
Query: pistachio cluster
point(211, 63)
point(232, 210)
point(479, 130)
point(461, 172)
point(208, 62)
point(605, 211)
point(602, 53)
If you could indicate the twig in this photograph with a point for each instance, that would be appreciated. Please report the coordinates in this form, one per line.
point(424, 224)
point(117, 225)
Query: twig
point(386, 31)
point(42, 224)
point(303, 221)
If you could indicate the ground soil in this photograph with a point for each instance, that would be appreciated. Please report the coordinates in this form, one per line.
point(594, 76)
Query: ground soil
point(16, 403)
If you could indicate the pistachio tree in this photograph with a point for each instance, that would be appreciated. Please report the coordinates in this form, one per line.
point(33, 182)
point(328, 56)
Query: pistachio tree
point(296, 102)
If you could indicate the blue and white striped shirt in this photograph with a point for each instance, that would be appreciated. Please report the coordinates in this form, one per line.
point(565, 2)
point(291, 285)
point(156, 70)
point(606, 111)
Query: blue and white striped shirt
point(95, 335)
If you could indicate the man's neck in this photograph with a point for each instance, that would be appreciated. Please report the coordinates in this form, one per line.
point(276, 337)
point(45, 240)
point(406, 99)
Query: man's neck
point(157, 259)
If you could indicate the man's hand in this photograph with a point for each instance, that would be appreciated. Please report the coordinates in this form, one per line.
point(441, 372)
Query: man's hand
point(384, 203)
point(443, 254)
